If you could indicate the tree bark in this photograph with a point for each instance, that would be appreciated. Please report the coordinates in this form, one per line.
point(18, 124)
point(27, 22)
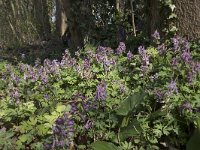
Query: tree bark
point(61, 18)
point(133, 18)
point(120, 5)
point(74, 21)
point(154, 18)
point(188, 18)
point(42, 18)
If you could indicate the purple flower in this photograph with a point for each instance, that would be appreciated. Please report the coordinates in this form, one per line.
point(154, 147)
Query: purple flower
point(174, 62)
point(176, 42)
point(190, 77)
point(73, 108)
point(186, 105)
point(86, 106)
point(156, 35)
point(86, 64)
point(100, 57)
point(15, 78)
point(121, 48)
point(46, 96)
point(101, 50)
point(186, 56)
point(70, 123)
point(144, 56)
point(122, 88)
point(61, 143)
point(47, 146)
point(159, 94)
point(88, 124)
point(161, 49)
point(129, 55)
point(101, 92)
point(56, 130)
point(44, 78)
point(141, 50)
point(172, 87)
point(60, 121)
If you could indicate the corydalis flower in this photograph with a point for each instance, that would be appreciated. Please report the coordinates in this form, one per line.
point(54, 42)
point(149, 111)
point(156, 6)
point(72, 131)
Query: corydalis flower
point(88, 124)
point(144, 58)
point(108, 63)
point(101, 92)
point(176, 43)
point(174, 62)
point(144, 55)
point(121, 48)
point(129, 55)
point(122, 88)
point(15, 78)
point(190, 77)
point(186, 105)
point(172, 88)
point(101, 50)
point(186, 56)
point(86, 64)
point(156, 35)
point(161, 49)
point(159, 95)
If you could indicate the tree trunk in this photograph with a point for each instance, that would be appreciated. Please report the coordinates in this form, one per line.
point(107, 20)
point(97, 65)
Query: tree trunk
point(120, 5)
point(74, 21)
point(154, 18)
point(42, 18)
point(188, 18)
point(61, 18)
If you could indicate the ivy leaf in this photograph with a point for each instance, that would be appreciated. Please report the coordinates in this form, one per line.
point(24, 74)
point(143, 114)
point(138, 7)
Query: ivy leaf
point(172, 7)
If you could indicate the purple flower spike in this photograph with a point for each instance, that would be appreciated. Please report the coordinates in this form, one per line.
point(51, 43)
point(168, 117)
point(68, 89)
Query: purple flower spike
point(174, 62)
point(60, 121)
point(161, 49)
point(186, 56)
point(86, 64)
point(172, 87)
point(186, 105)
point(70, 122)
point(156, 35)
point(129, 55)
point(121, 48)
point(88, 125)
point(190, 77)
point(101, 92)
point(176, 43)
point(122, 88)
point(141, 50)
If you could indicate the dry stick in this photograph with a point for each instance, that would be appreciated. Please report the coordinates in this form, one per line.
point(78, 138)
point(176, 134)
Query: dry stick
point(133, 19)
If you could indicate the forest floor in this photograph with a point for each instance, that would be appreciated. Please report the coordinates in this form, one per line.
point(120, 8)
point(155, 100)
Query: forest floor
point(51, 49)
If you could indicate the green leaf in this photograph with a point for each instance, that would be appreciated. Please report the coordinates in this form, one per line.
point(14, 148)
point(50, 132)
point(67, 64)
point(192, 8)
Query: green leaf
point(102, 145)
point(133, 129)
point(62, 108)
point(193, 143)
point(130, 103)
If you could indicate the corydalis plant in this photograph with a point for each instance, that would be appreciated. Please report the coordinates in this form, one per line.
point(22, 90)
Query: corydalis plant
point(101, 93)
point(121, 48)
